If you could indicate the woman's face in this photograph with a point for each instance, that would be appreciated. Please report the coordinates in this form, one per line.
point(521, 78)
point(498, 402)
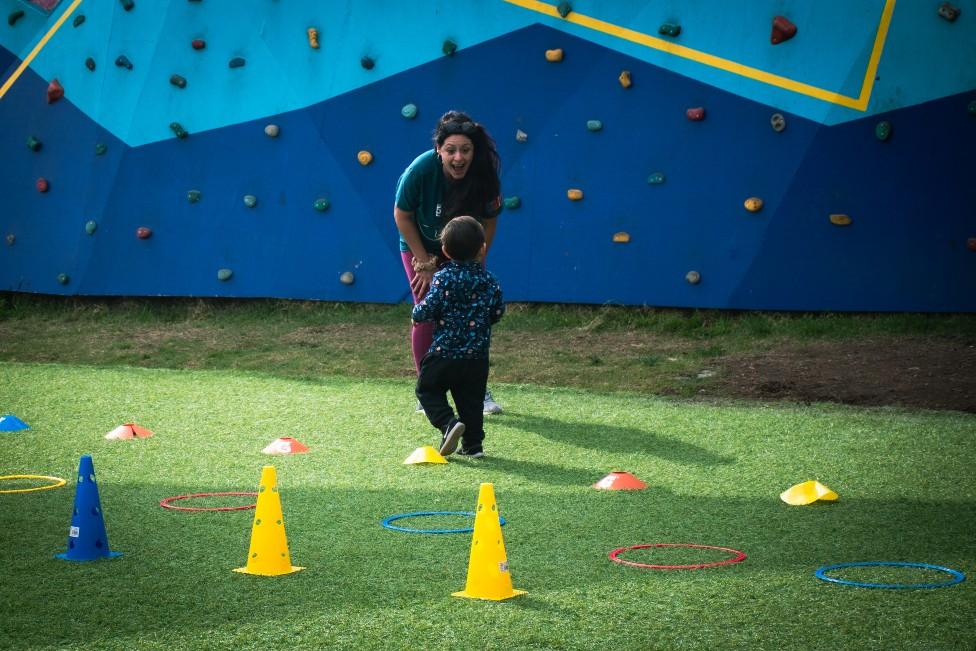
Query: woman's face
point(456, 154)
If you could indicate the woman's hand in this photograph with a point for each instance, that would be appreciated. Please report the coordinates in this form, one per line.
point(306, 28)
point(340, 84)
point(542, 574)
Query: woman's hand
point(421, 283)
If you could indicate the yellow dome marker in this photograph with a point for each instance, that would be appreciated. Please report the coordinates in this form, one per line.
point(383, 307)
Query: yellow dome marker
point(488, 575)
point(268, 553)
point(426, 454)
point(807, 493)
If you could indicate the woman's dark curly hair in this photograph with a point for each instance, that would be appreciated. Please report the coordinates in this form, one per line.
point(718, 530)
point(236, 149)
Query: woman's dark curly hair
point(481, 186)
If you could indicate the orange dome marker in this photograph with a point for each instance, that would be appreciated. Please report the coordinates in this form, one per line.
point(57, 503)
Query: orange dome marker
point(128, 431)
point(286, 445)
point(618, 480)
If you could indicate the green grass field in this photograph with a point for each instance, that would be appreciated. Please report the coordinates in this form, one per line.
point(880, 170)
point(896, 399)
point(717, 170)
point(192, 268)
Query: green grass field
point(905, 479)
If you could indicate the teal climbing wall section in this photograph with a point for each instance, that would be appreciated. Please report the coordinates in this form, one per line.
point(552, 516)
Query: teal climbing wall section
point(850, 67)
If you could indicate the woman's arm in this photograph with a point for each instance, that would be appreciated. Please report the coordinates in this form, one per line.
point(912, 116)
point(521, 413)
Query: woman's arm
point(408, 229)
point(489, 225)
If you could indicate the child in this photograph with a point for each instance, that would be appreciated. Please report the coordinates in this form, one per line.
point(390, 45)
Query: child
point(464, 301)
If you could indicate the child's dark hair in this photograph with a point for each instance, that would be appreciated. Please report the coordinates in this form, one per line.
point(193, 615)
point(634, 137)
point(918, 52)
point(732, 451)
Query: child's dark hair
point(462, 238)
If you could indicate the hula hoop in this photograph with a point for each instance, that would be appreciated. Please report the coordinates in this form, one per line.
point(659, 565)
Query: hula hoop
point(957, 577)
point(393, 518)
point(165, 503)
point(58, 482)
point(737, 557)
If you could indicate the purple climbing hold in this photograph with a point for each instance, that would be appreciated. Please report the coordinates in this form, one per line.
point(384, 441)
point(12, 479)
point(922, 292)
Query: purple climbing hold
point(949, 12)
point(90, 64)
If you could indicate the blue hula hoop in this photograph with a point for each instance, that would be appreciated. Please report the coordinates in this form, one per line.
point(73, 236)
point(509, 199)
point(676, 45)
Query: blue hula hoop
point(957, 577)
point(387, 522)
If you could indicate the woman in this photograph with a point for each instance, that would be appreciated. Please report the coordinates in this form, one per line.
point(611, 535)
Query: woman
point(459, 176)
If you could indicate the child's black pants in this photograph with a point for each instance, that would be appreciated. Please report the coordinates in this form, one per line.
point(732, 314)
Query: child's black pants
point(466, 379)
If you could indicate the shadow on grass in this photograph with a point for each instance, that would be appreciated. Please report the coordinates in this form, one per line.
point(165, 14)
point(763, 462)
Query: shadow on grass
point(613, 438)
point(542, 472)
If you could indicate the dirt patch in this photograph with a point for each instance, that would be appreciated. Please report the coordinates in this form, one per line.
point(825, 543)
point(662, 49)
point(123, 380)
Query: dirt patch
point(928, 373)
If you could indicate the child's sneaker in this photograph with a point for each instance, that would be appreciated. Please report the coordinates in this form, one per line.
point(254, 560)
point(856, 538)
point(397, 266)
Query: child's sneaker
point(490, 406)
point(452, 434)
point(475, 452)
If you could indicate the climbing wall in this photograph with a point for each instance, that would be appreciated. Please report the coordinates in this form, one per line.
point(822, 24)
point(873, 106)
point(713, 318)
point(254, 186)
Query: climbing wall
point(779, 156)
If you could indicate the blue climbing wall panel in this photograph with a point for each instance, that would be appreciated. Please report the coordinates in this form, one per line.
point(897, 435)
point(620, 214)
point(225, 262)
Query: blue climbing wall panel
point(910, 199)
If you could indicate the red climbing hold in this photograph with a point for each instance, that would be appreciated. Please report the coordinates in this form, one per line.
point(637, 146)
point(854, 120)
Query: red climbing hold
point(783, 30)
point(42, 184)
point(971, 244)
point(143, 232)
point(54, 91)
point(198, 43)
point(696, 114)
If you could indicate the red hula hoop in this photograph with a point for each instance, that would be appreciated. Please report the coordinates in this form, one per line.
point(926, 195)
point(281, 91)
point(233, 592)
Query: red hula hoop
point(737, 557)
point(165, 503)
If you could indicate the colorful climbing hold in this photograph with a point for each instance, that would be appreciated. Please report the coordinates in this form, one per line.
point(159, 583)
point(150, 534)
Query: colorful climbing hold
point(367, 62)
point(840, 220)
point(33, 144)
point(693, 277)
point(521, 136)
point(313, 38)
point(79, 19)
point(783, 30)
point(122, 61)
point(778, 122)
point(554, 56)
point(409, 111)
point(564, 8)
point(272, 130)
point(198, 44)
point(64, 278)
point(696, 114)
point(90, 64)
point(347, 278)
point(621, 237)
point(127, 4)
point(224, 275)
point(55, 91)
point(669, 29)
point(322, 204)
point(11, 238)
point(178, 129)
point(625, 79)
point(971, 107)
point(949, 12)
point(100, 148)
point(250, 200)
point(971, 244)
point(177, 81)
point(449, 47)
point(236, 62)
point(143, 232)
point(512, 203)
point(882, 130)
point(14, 16)
point(753, 204)
point(364, 157)
point(594, 125)
point(656, 178)
point(91, 226)
point(42, 185)
point(193, 196)
point(574, 194)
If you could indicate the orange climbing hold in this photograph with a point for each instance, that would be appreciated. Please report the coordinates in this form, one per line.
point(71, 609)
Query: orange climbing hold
point(54, 91)
point(365, 158)
point(624, 79)
point(840, 220)
point(574, 194)
point(783, 30)
point(554, 56)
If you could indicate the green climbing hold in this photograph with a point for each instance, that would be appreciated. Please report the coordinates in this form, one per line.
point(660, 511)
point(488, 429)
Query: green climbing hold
point(100, 148)
point(11, 238)
point(322, 204)
point(193, 196)
point(250, 200)
point(882, 131)
point(409, 111)
point(177, 81)
point(127, 4)
point(972, 107)
point(594, 125)
point(511, 203)
point(236, 62)
point(63, 278)
point(656, 178)
point(449, 47)
point(669, 29)
point(224, 274)
point(79, 19)
point(91, 226)
point(14, 16)
point(564, 9)
point(367, 63)
point(122, 61)
point(33, 144)
point(178, 129)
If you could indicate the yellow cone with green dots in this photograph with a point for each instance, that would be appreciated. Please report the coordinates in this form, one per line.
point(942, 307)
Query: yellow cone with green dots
point(268, 553)
point(488, 575)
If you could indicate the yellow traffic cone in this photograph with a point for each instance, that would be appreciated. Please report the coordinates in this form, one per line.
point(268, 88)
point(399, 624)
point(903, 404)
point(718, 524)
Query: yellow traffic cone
point(426, 454)
point(268, 554)
point(807, 493)
point(488, 575)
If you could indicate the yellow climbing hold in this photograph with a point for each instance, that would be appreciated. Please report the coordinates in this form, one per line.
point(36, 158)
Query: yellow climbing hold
point(753, 204)
point(624, 79)
point(807, 493)
point(313, 38)
point(554, 56)
point(574, 194)
point(365, 158)
point(840, 220)
point(621, 237)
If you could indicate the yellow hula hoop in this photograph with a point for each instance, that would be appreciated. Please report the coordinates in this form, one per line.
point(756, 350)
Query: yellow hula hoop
point(58, 482)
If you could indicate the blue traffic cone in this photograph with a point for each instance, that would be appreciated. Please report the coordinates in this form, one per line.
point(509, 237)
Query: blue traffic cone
point(87, 540)
point(10, 423)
